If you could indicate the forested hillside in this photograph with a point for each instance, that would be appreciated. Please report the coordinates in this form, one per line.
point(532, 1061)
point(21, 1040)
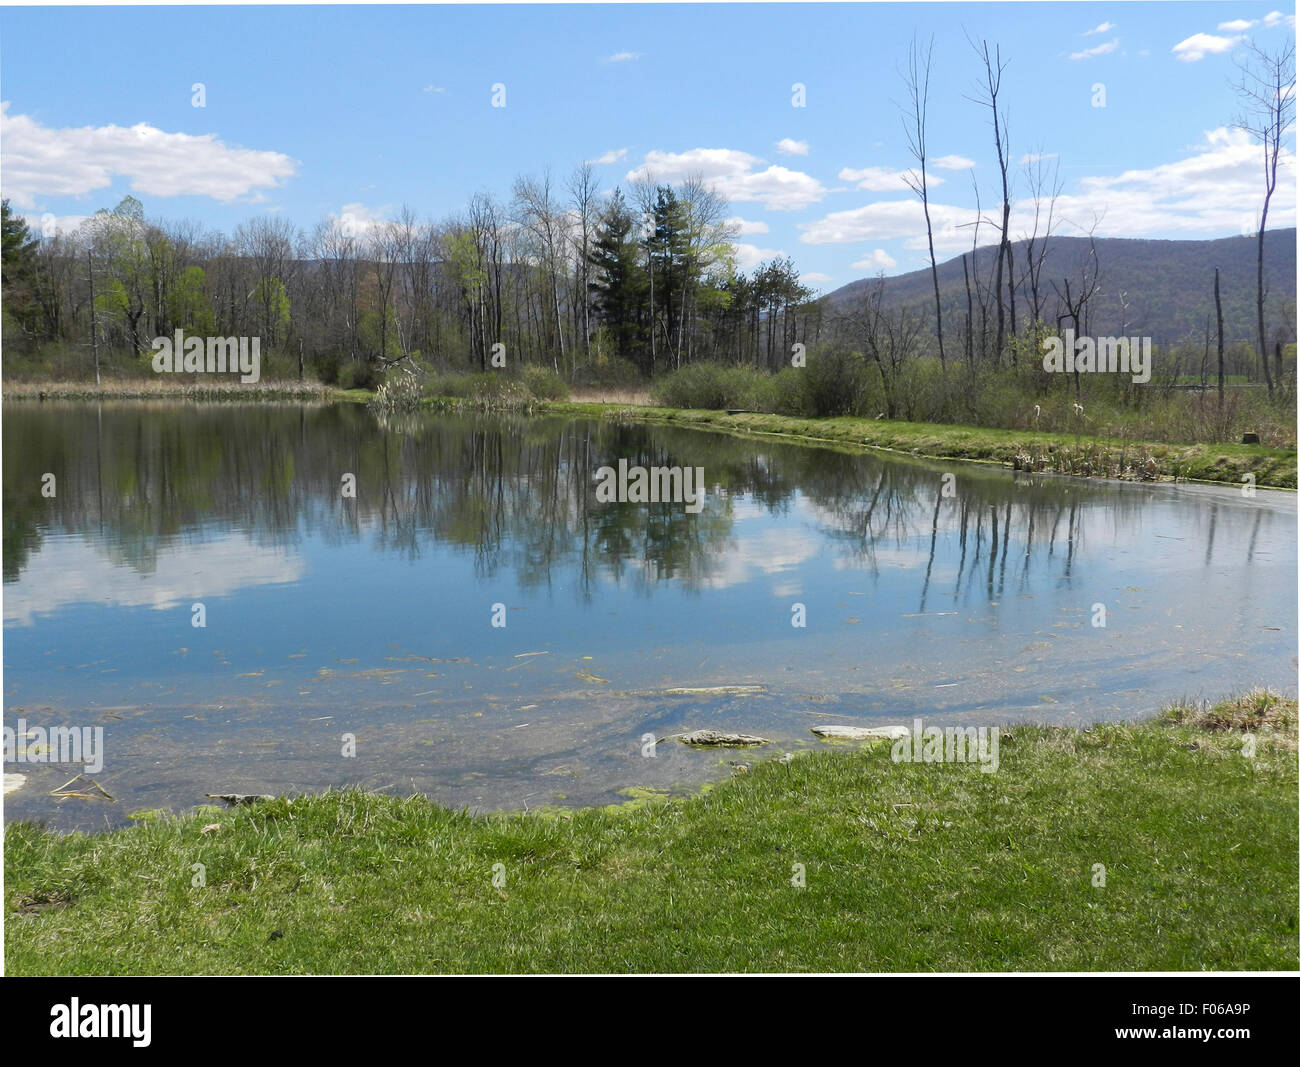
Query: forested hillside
point(1159, 289)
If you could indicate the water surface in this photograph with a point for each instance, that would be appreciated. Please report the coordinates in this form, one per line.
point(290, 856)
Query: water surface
point(329, 616)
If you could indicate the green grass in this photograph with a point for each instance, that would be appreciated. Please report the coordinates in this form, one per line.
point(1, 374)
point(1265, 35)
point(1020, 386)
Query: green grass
point(912, 867)
point(1272, 467)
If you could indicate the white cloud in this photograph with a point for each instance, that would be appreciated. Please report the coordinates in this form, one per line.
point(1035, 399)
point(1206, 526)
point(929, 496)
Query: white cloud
point(751, 555)
point(356, 220)
point(1213, 191)
point(750, 256)
point(746, 228)
point(733, 173)
point(1238, 25)
point(434, 89)
point(70, 571)
point(1200, 45)
point(49, 225)
point(878, 260)
point(1276, 18)
point(622, 57)
point(1105, 27)
point(953, 163)
point(612, 156)
point(882, 179)
point(1103, 49)
point(788, 146)
point(1035, 157)
point(886, 220)
point(815, 278)
point(44, 161)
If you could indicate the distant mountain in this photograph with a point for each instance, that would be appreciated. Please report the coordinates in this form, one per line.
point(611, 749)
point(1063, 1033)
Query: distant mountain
point(1168, 286)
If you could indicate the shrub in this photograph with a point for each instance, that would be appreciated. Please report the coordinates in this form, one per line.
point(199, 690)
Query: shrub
point(835, 382)
point(715, 386)
point(358, 375)
point(544, 383)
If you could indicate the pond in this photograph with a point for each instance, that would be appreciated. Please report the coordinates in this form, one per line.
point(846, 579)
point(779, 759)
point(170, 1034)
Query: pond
point(476, 625)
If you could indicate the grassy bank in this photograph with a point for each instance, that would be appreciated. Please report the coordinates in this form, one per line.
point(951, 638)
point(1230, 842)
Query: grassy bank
point(1058, 452)
point(165, 389)
point(1066, 453)
point(908, 867)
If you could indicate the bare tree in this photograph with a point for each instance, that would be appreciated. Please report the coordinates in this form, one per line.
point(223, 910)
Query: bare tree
point(1074, 306)
point(1267, 90)
point(583, 197)
point(1044, 191)
point(708, 240)
point(539, 213)
point(917, 79)
point(272, 246)
point(989, 90)
point(1218, 310)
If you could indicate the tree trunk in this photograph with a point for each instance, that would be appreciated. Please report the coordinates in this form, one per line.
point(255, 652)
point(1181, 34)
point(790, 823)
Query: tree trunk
point(1218, 310)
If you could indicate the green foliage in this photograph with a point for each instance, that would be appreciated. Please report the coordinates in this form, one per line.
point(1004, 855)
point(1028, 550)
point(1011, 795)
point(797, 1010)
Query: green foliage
point(188, 304)
point(544, 384)
point(273, 303)
point(712, 385)
point(493, 389)
point(841, 382)
point(835, 382)
point(19, 278)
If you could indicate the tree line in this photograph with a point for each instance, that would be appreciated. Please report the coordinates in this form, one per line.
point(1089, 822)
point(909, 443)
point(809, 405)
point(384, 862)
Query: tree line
point(559, 277)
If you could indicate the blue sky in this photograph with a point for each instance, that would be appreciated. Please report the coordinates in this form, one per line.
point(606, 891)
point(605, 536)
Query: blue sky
point(325, 111)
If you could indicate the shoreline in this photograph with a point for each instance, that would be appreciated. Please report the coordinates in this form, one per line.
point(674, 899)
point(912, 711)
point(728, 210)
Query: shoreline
point(991, 447)
point(1132, 832)
point(1049, 453)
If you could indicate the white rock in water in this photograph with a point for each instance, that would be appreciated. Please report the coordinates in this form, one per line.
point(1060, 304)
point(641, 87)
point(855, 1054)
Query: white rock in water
point(14, 782)
point(715, 737)
point(861, 733)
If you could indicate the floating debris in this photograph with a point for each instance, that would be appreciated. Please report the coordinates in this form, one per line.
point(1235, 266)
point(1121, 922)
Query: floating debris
point(861, 733)
point(65, 791)
point(241, 798)
point(713, 690)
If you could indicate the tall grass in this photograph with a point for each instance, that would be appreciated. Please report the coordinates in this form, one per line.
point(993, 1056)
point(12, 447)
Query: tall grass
point(837, 382)
point(498, 390)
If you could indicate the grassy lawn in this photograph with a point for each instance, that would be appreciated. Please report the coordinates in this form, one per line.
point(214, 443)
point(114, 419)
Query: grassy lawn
point(910, 867)
point(1272, 467)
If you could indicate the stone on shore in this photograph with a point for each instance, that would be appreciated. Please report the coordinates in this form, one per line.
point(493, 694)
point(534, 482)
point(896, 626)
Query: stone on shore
point(861, 733)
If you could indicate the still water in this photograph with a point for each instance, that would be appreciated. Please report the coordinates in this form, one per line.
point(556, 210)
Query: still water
point(371, 617)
